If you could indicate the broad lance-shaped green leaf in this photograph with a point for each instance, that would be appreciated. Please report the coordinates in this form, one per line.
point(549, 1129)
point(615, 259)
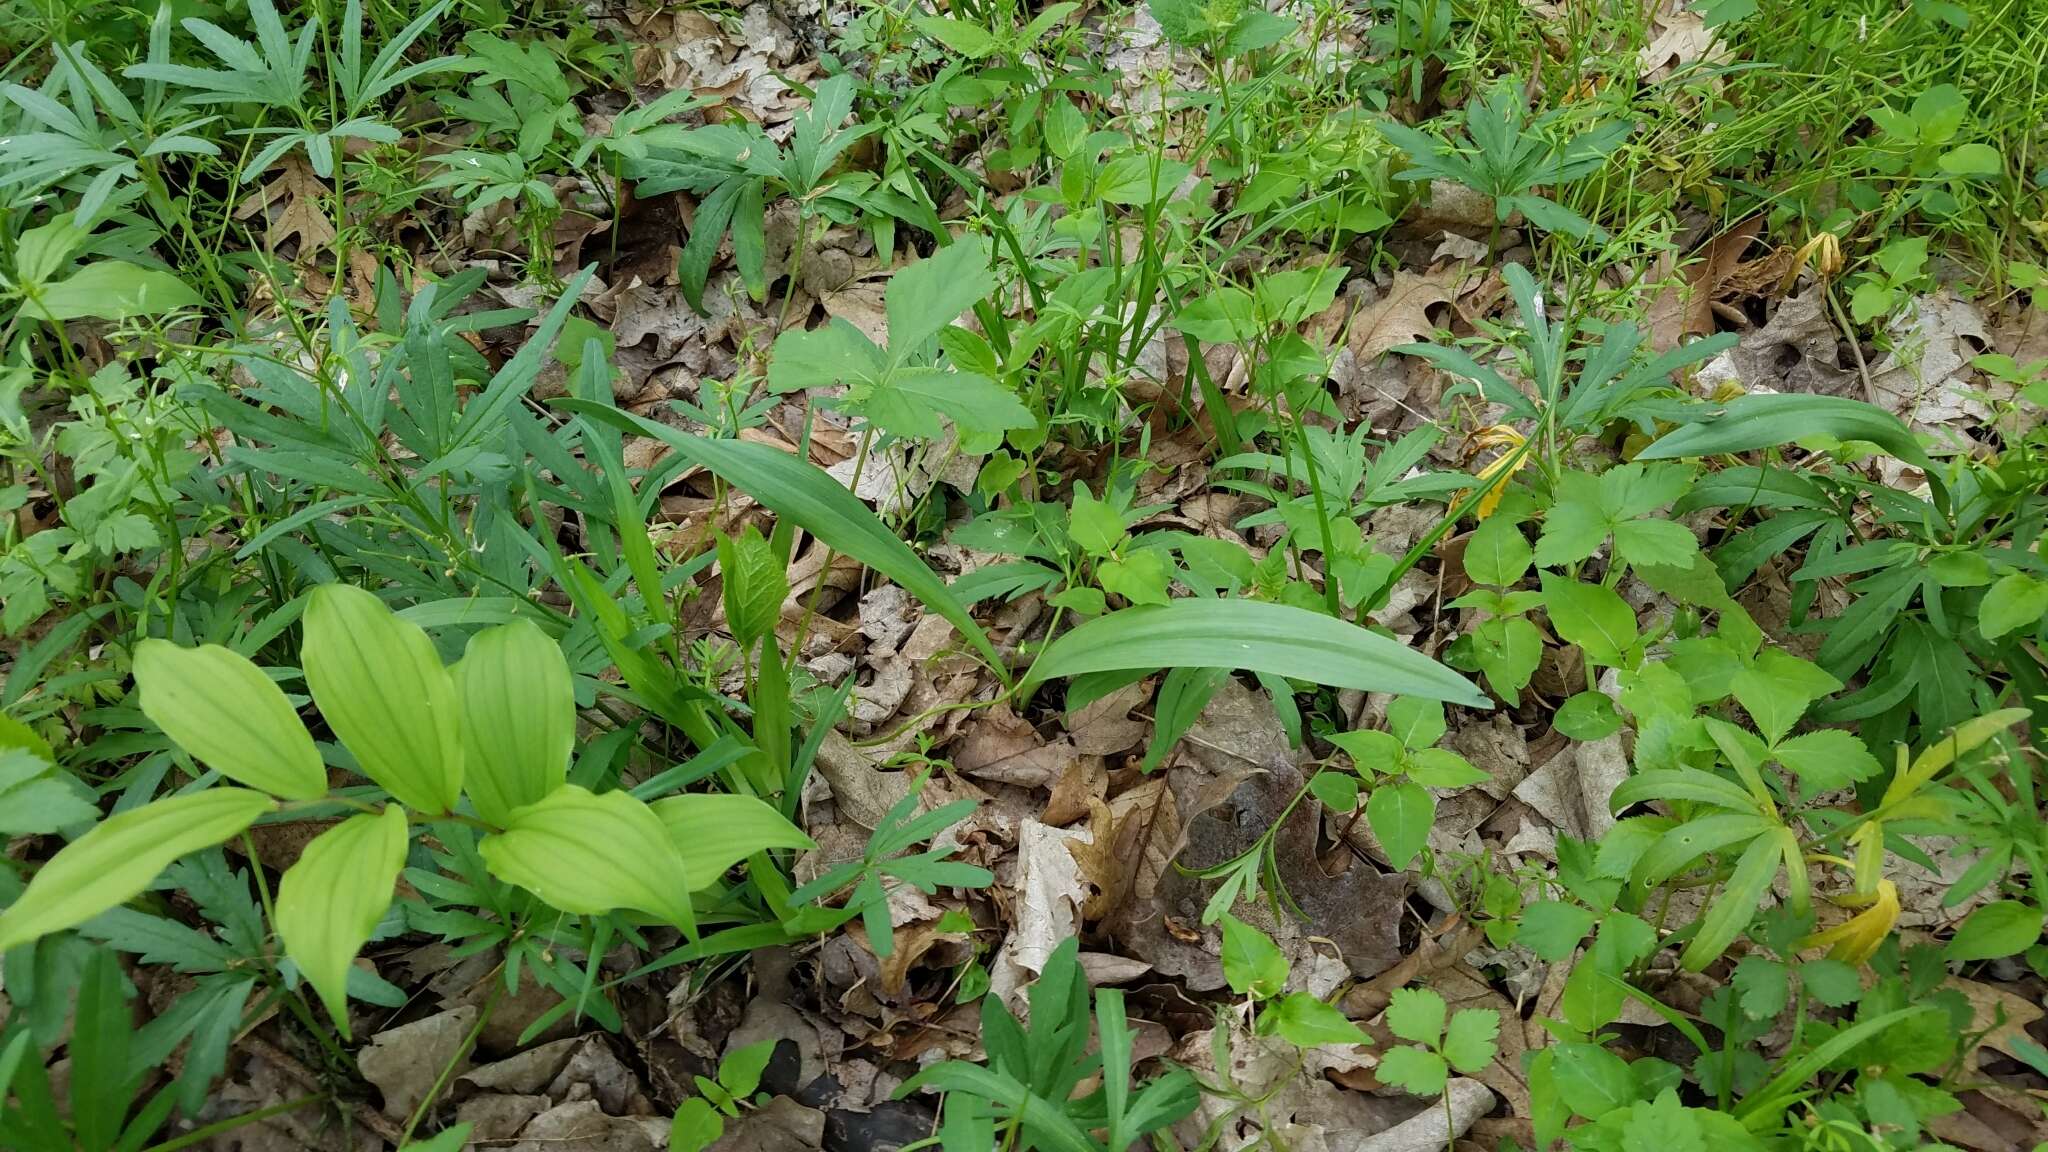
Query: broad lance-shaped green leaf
point(588, 854)
point(111, 290)
point(819, 504)
point(223, 711)
point(712, 832)
point(1766, 420)
point(518, 718)
point(381, 686)
point(116, 860)
point(1740, 898)
point(1253, 636)
point(330, 901)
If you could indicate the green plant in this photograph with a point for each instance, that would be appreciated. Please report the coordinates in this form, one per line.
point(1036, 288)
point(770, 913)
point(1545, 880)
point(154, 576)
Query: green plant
point(111, 1057)
point(1400, 765)
point(899, 829)
point(1466, 1042)
point(1252, 635)
point(1505, 645)
point(734, 167)
point(497, 729)
point(1898, 273)
point(1934, 608)
point(272, 76)
point(1508, 155)
point(1611, 385)
point(700, 1120)
point(1256, 969)
point(901, 390)
point(1028, 1086)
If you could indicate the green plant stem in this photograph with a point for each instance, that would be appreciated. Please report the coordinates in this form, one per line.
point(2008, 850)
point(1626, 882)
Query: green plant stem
point(455, 1061)
point(201, 1135)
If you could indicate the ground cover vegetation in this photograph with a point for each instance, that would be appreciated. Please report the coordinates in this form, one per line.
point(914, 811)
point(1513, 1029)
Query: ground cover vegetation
point(1342, 575)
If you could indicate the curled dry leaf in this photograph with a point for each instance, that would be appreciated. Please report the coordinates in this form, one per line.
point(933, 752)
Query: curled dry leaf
point(403, 1062)
point(1050, 892)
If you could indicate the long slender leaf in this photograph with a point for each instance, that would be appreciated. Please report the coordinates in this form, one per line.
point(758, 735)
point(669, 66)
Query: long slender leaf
point(1766, 420)
point(1766, 1105)
point(804, 493)
point(1254, 636)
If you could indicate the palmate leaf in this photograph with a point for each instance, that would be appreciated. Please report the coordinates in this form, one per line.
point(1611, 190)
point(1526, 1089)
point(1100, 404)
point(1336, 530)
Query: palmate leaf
point(1741, 897)
point(819, 504)
point(1047, 1123)
point(1252, 636)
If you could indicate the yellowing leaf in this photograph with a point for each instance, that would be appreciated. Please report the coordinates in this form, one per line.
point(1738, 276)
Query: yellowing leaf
point(1948, 749)
point(330, 901)
point(714, 832)
point(1496, 474)
point(588, 854)
point(1856, 939)
point(382, 688)
point(220, 708)
point(114, 862)
point(518, 718)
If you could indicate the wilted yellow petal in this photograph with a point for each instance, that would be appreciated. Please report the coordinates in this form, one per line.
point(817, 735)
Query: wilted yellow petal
point(1495, 475)
point(1856, 939)
point(1823, 251)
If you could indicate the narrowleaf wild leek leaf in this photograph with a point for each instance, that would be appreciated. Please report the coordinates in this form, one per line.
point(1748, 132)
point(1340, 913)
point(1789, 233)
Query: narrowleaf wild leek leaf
point(518, 718)
point(382, 688)
point(1767, 420)
point(116, 860)
point(1252, 636)
point(330, 901)
point(819, 504)
point(221, 709)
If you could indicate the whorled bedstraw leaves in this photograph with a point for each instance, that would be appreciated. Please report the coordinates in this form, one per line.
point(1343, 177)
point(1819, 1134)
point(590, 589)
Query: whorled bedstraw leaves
point(221, 709)
point(115, 861)
point(588, 854)
point(518, 718)
point(330, 901)
point(383, 690)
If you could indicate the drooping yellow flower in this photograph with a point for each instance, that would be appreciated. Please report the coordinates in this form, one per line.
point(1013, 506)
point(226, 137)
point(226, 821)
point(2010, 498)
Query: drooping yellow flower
point(1856, 939)
point(1495, 475)
point(1824, 250)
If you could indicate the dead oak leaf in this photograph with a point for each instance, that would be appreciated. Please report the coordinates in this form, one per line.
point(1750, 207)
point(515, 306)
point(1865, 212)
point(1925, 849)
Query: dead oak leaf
point(1682, 38)
point(2000, 1015)
point(1402, 316)
point(294, 202)
point(1106, 727)
point(1686, 309)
